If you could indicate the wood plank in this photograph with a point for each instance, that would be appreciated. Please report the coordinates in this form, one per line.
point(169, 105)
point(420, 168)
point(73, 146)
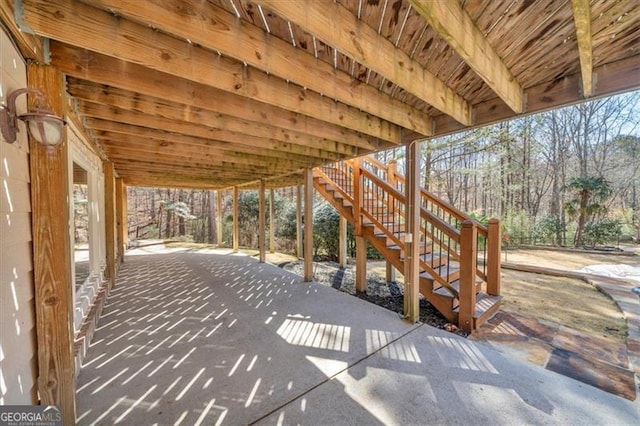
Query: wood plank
point(236, 220)
point(617, 77)
point(308, 225)
point(130, 101)
point(261, 223)
point(342, 242)
point(299, 252)
point(412, 234)
point(582, 19)
point(494, 250)
point(361, 264)
point(272, 217)
point(467, 293)
point(123, 155)
point(142, 82)
point(110, 221)
point(322, 150)
point(456, 27)
point(119, 188)
point(30, 46)
point(120, 142)
point(51, 254)
point(338, 27)
point(252, 45)
point(219, 217)
point(89, 28)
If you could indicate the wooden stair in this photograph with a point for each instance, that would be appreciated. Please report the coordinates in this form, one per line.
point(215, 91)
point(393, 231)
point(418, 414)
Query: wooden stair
point(385, 232)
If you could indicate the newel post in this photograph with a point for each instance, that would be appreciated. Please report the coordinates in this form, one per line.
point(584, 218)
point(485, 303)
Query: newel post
point(494, 247)
point(467, 295)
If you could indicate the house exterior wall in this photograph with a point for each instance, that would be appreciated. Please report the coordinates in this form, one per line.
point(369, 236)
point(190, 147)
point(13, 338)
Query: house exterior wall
point(18, 356)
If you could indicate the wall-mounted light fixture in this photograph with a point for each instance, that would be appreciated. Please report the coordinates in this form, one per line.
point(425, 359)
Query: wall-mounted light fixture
point(43, 125)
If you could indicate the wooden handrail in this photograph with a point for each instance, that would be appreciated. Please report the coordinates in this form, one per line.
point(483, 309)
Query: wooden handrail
point(450, 209)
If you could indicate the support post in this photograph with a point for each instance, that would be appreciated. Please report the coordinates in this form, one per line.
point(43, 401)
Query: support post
point(272, 216)
point(236, 226)
point(52, 256)
point(494, 247)
point(299, 252)
point(358, 196)
point(110, 221)
point(308, 224)
point(125, 219)
point(219, 217)
point(467, 294)
point(342, 242)
point(261, 222)
point(390, 273)
point(119, 221)
point(412, 234)
point(361, 264)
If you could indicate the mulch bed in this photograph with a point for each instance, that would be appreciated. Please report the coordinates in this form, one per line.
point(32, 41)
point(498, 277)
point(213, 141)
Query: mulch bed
point(379, 292)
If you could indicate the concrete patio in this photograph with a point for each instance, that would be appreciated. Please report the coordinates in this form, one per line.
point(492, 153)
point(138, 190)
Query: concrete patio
point(216, 338)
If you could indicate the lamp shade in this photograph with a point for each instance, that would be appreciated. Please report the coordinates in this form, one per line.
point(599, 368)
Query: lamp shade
point(44, 128)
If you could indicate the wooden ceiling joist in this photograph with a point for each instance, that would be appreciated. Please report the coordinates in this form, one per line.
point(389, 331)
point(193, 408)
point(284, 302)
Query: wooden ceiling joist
point(456, 27)
point(225, 123)
point(181, 150)
point(338, 27)
point(118, 115)
point(582, 19)
point(215, 28)
point(90, 28)
point(209, 94)
point(111, 74)
point(101, 127)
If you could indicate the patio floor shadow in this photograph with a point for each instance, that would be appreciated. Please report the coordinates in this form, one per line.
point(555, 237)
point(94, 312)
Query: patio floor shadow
point(206, 338)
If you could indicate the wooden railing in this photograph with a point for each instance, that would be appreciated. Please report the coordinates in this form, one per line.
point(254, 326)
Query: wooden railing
point(454, 246)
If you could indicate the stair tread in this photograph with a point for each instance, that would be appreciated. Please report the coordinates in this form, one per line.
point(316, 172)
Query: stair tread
point(484, 303)
point(456, 285)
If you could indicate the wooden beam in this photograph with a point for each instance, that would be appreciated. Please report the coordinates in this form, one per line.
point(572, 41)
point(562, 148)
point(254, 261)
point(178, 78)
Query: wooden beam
point(308, 225)
point(361, 264)
point(390, 272)
point(456, 27)
point(299, 252)
point(119, 188)
point(261, 222)
point(342, 242)
point(125, 156)
point(122, 143)
point(250, 44)
point(272, 217)
point(296, 141)
point(582, 19)
point(412, 234)
point(110, 221)
point(219, 194)
point(52, 256)
point(338, 27)
point(467, 293)
point(613, 78)
point(111, 130)
point(494, 250)
point(90, 28)
point(119, 78)
point(236, 220)
point(125, 219)
point(30, 46)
